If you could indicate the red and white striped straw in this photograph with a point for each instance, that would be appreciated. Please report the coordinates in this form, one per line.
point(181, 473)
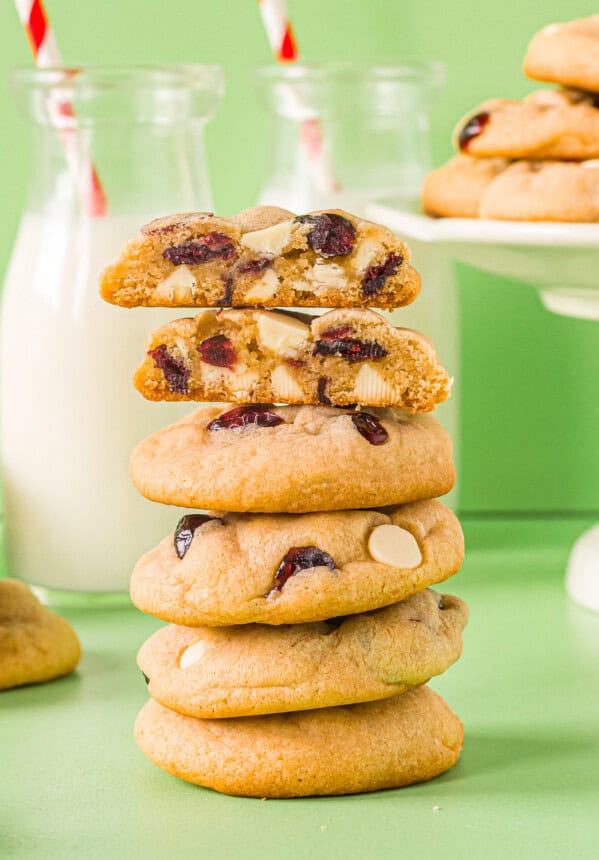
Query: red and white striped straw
point(36, 24)
point(283, 43)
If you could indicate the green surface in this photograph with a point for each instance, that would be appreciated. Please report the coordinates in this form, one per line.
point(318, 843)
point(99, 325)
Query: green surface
point(528, 379)
point(74, 785)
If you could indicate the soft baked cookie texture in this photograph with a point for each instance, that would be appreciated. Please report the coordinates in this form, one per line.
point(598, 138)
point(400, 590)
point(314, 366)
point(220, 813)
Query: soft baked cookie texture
point(263, 256)
point(294, 459)
point(345, 357)
point(566, 53)
point(344, 750)
point(35, 644)
point(283, 569)
point(255, 669)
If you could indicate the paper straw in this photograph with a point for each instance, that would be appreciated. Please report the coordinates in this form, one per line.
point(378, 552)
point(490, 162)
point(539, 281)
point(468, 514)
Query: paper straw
point(36, 24)
point(283, 44)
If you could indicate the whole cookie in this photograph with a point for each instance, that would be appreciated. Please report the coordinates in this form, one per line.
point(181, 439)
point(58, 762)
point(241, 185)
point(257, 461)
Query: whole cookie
point(256, 669)
point(544, 191)
point(35, 644)
point(284, 569)
point(494, 188)
point(345, 750)
point(456, 189)
point(294, 459)
point(548, 124)
point(566, 53)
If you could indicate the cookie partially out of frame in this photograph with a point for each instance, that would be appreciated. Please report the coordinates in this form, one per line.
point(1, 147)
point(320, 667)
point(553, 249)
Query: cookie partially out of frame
point(547, 124)
point(292, 569)
point(468, 187)
point(294, 459)
point(265, 257)
point(387, 744)
point(36, 644)
point(344, 357)
point(256, 669)
point(566, 53)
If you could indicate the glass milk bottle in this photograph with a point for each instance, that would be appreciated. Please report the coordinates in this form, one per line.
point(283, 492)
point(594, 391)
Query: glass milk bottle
point(349, 135)
point(73, 523)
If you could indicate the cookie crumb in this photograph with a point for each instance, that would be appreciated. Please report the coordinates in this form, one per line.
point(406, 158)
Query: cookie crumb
point(437, 808)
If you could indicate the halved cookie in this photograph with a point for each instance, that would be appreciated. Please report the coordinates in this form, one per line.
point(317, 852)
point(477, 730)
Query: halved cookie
point(36, 644)
point(255, 669)
point(345, 357)
point(365, 747)
point(284, 569)
point(294, 459)
point(263, 256)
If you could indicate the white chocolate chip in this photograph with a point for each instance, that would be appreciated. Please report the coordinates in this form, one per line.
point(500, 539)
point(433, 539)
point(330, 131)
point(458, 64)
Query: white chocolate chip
point(265, 287)
point(327, 275)
point(179, 285)
point(192, 655)
point(370, 387)
point(243, 383)
point(281, 333)
point(394, 546)
point(270, 240)
point(284, 386)
point(593, 163)
point(550, 29)
point(366, 252)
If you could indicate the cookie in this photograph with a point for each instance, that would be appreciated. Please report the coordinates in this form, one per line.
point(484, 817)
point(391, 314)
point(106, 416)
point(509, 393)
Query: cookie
point(548, 124)
point(544, 191)
point(35, 644)
point(266, 257)
point(566, 53)
point(345, 357)
point(294, 459)
point(256, 669)
point(456, 189)
point(345, 750)
point(518, 191)
point(291, 569)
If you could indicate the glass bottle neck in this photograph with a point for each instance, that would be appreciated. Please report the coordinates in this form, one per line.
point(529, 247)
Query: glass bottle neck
point(144, 170)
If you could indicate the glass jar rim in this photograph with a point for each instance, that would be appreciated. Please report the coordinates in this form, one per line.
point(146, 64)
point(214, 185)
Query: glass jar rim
point(430, 72)
point(172, 75)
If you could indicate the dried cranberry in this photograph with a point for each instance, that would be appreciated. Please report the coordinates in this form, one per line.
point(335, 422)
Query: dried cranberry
point(243, 416)
point(213, 246)
point(331, 235)
point(295, 362)
point(175, 372)
point(227, 296)
point(376, 277)
point(185, 531)
point(336, 332)
point(300, 558)
point(350, 349)
point(254, 266)
point(472, 129)
point(371, 429)
point(218, 351)
point(146, 679)
point(321, 391)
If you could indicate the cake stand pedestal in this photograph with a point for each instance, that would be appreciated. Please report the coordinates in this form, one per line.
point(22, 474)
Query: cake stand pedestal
point(561, 261)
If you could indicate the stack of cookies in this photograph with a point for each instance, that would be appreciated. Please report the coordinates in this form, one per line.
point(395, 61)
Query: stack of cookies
point(301, 627)
point(535, 159)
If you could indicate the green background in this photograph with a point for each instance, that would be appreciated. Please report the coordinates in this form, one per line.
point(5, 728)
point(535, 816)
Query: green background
point(530, 409)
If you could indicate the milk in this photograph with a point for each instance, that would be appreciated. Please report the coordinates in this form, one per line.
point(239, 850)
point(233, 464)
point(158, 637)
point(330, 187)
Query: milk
point(69, 413)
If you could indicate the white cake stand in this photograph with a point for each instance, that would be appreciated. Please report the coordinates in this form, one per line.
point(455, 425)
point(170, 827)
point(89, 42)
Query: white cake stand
point(562, 262)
